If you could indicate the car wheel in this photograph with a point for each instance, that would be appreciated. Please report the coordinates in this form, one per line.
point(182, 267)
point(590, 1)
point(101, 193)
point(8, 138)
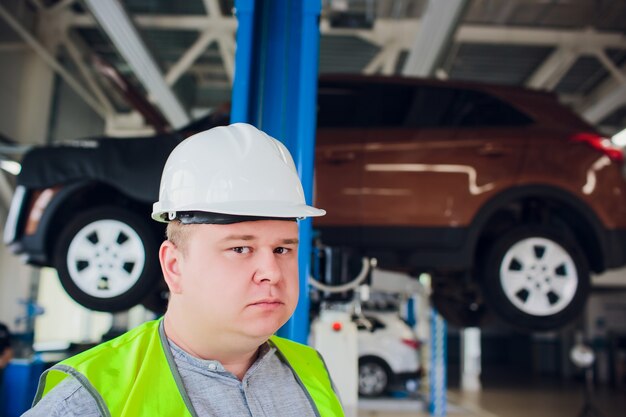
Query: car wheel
point(374, 377)
point(106, 259)
point(536, 278)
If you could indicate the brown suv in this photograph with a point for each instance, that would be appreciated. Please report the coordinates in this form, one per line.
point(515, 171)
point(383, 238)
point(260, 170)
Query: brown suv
point(507, 198)
point(501, 193)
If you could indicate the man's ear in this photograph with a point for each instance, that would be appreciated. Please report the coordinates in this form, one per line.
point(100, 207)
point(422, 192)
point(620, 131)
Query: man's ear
point(171, 257)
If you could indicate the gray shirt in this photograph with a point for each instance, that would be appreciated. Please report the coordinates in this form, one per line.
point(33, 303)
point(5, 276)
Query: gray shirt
point(269, 388)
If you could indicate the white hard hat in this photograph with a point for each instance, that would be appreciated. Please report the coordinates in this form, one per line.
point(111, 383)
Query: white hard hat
point(234, 170)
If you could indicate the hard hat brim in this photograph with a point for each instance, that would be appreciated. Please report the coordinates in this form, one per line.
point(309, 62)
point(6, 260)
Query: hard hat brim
point(244, 208)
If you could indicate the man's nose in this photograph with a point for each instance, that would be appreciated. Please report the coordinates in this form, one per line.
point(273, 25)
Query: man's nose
point(268, 269)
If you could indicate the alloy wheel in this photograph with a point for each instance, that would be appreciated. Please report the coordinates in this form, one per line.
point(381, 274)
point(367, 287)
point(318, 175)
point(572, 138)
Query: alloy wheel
point(538, 276)
point(106, 258)
point(373, 379)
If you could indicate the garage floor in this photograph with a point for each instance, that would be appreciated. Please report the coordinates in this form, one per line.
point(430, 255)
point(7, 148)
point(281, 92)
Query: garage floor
point(543, 399)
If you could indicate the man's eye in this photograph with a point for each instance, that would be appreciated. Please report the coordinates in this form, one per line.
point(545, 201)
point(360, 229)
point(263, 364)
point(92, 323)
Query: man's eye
point(241, 249)
point(282, 250)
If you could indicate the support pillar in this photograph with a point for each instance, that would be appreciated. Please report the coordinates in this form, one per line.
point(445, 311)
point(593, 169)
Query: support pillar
point(470, 359)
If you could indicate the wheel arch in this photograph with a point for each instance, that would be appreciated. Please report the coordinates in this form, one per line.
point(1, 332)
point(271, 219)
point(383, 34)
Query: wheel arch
point(378, 359)
point(537, 204)
point(80, 196)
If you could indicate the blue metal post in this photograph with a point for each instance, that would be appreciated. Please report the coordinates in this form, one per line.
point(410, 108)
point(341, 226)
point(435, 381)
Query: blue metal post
point(411, 318)
point(437, 373)
point(275, 89)
point(243, 61)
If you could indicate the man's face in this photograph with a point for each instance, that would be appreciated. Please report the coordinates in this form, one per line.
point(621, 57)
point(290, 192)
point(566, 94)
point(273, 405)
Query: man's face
point(240, 279)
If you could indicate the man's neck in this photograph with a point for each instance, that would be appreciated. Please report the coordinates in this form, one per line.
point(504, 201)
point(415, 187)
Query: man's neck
point(239, 368)
point(235, 358)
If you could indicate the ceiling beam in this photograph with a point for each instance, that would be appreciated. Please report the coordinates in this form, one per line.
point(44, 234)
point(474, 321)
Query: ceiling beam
point(606, 98)
point(438, 24)
point(584, 40)
point(77, 57)
point(610, 66)
point(190, 56)
point(52, 62)
point(606, 105)
point(403, 31)
point(385, 61)
point(165, 22)
point(212, 7)
point(553, 69)
point(120, 29)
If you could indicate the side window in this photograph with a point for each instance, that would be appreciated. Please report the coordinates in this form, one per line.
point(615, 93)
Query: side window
point(392, 104)
point(345, 106)
point(407, 106)
point(422, 106)
point(335, 106)
point(475, 108)
point(455, 107)
point(430, 107)
point(416, 106)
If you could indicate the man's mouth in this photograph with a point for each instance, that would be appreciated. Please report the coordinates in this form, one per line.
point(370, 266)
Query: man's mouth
point(267, 302)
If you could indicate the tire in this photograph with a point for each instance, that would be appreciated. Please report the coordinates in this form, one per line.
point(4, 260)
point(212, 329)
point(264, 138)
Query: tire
point(106, 259)
point(536, 277)
point(374, 376)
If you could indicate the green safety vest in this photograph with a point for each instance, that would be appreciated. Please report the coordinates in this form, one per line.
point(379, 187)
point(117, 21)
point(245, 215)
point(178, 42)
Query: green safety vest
point(134, 375)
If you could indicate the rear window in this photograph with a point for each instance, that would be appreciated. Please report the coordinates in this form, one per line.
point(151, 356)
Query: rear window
point(406, 106)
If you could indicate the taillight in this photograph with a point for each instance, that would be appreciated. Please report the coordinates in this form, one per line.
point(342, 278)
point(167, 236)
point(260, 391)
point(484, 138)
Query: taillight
point(602, 144)
point(38, 204)
point(412, 343)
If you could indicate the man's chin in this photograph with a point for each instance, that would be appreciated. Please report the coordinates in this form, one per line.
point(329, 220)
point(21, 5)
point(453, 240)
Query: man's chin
point(264, 330)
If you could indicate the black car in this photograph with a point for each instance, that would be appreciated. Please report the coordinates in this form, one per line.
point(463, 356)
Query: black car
point(83, 207)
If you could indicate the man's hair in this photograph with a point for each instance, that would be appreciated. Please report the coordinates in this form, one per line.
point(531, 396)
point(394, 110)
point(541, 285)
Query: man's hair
point(178, 233)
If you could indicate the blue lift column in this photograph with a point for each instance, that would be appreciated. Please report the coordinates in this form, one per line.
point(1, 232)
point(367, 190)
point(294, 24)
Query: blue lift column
point(275, 89)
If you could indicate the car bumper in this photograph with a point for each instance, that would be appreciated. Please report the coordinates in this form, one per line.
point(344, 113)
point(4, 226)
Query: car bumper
point(406, 381)
point(403, 377)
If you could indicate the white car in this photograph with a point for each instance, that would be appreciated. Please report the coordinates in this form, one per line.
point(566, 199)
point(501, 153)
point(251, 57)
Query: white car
point(388, 353)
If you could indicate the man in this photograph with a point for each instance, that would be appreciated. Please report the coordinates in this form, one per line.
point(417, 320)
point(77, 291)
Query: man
point(232, 197)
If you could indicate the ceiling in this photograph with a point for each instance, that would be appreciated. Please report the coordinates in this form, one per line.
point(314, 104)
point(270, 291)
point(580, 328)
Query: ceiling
point(576, 48)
